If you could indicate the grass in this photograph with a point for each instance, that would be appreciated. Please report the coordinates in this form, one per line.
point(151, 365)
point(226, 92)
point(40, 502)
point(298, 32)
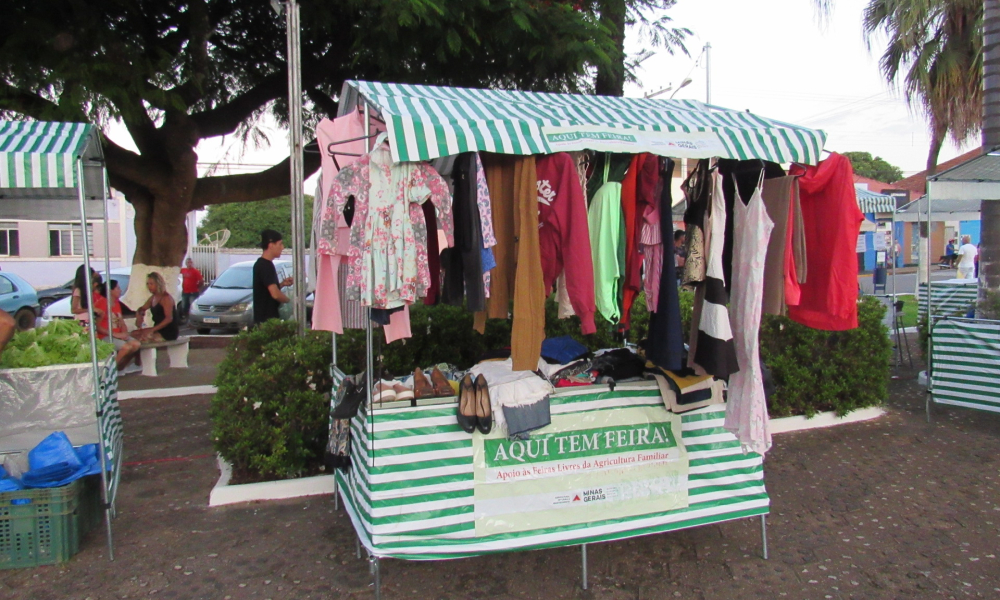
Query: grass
point(909, 310)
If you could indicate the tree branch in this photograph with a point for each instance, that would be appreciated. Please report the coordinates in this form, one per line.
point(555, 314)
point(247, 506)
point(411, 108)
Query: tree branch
point(129, 165)
point(224, 119)
point(34, 106)
point(250, 187)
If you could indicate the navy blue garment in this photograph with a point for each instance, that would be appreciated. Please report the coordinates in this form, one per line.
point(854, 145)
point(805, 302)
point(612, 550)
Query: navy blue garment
point(562, 349)
point(665, 346)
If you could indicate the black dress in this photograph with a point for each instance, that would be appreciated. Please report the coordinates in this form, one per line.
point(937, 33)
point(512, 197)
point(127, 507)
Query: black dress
point(169, 332)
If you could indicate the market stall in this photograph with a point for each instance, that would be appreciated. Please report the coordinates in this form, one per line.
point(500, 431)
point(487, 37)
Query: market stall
point(965, 355)
point(59, 168)
point(613, 462)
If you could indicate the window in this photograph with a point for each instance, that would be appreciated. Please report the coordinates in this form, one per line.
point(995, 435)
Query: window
point(10, 242)
point(6, 287)
point(66, 239)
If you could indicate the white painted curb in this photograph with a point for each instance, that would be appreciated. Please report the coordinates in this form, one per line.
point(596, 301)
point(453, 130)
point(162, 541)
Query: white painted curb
point(223, 493)
point(826, 419)
point(192, 390)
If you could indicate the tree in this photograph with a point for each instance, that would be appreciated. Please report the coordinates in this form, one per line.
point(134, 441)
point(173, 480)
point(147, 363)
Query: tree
point(934, 53)
point(246, 220)
point(616, 16)
point(874, 168)
point(176, 72)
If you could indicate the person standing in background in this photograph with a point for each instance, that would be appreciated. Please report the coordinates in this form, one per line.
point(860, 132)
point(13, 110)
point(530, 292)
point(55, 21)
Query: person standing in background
point(967, 255)
point(949, 253)
point(680, 252)
point(267, 294)
point(192, 285)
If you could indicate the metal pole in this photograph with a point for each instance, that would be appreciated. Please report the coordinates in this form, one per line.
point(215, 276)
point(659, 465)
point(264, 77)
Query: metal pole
point(357, 546)
point(763, 533)
point(295, 151)
point(708, 73)
point(107, 234)
point(92, 335)
point(583, 553)
point(374, 567)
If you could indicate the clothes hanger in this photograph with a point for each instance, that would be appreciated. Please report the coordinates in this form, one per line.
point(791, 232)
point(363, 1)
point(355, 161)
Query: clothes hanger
point(380, 139)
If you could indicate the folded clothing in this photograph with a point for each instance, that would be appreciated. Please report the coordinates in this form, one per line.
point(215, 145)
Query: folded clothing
point(562, 349)
point(522, 419)
point(618, 364)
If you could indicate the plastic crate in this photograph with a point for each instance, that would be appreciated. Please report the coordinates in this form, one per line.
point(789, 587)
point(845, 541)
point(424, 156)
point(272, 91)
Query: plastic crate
point(40, 526)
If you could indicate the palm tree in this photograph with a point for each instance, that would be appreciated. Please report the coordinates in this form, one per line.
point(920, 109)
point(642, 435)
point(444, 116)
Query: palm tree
point(934, 54)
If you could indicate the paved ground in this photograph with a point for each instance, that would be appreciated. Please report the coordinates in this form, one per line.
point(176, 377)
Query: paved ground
point(892, 508)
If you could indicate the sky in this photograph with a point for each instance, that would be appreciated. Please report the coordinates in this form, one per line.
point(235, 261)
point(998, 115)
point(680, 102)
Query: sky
point(772, 57)
point(776, 59)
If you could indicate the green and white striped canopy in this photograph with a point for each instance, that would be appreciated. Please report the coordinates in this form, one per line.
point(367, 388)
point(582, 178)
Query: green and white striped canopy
point(36, 154)
point(871, 202)
point(426, 122)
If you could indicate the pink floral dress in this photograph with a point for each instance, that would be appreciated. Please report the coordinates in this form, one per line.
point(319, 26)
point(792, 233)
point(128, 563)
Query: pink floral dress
point(387, 267)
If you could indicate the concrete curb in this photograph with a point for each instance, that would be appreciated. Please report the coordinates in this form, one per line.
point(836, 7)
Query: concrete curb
point(826, 419)
point(193, 390)
point(223, 493)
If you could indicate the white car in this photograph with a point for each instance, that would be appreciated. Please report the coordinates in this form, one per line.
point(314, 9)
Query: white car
point(60, 309)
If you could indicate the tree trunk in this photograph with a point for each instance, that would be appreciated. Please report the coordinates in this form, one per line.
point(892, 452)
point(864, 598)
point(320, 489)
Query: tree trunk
point(989, 247)
point(939, 131)
point(610, 80)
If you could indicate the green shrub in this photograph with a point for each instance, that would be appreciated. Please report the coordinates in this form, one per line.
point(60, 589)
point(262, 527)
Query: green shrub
point(816, 371)
point(269, 415)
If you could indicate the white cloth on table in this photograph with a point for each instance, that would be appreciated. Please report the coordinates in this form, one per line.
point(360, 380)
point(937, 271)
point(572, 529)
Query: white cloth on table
point(511, 388)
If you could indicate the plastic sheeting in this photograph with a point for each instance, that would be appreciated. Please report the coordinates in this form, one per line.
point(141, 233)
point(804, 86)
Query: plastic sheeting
point(36, 402)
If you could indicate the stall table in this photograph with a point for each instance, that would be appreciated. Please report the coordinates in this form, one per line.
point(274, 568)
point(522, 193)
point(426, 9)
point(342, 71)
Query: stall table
point(411, 492)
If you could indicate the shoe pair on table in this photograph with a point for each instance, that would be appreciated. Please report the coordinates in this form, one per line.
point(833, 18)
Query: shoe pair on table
point(474, 410)
point(437, 387)
point(390, 391)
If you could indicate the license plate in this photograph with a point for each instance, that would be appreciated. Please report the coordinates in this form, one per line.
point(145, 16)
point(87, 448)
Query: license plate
point(211, 319)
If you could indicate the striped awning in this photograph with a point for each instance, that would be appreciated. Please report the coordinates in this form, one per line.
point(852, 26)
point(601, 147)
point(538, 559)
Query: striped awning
point(870, 202)
point(426, 122)
point(35, 154)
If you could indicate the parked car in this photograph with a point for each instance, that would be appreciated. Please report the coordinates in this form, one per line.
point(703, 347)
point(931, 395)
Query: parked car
point(18, 298)
point(228, 302)
point(61, 309)
point(47, 296)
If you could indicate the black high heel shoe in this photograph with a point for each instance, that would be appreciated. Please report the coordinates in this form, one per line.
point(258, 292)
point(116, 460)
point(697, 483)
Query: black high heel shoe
point(466, 409)
point(484, 413)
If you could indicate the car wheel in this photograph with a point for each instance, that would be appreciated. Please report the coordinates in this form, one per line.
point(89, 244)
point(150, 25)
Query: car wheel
point(203, 330)
point(24, 319)
point(44, 302)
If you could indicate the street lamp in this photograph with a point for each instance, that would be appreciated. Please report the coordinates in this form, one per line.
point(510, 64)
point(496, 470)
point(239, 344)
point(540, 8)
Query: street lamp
point(683, 84)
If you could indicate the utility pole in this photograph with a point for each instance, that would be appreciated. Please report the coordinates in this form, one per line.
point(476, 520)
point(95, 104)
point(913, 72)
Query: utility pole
point(708, 73)
point(291, 10)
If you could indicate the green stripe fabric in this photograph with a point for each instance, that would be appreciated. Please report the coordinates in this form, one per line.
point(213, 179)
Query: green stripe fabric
point(870, 202)
point(426, 122)
point(948, 298)
point(410, 490)
point(965, 363)
point(110, 423)
point(35, 154)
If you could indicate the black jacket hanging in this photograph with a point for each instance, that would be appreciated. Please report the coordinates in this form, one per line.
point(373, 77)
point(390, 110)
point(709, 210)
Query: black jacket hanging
point(463, 264)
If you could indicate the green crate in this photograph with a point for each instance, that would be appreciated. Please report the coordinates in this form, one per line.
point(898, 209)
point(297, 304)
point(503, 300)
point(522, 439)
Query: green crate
point(39, 526)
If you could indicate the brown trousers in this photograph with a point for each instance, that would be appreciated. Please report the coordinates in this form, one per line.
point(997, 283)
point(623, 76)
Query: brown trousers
point(514, 201)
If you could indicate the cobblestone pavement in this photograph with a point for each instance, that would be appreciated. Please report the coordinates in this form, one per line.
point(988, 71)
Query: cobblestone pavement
point(890, 508)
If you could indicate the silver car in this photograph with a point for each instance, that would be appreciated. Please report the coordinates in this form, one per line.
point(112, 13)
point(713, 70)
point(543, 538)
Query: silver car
point(228, 302)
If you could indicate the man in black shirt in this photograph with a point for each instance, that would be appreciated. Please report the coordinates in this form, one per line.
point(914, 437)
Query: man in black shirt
point(267, 294)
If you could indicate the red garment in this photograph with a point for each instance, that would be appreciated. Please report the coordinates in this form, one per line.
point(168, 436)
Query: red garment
point(192, 280)
point(563, 234)
point(629, 184)
point(116, 325)
point(832, 220)
point(647, 178)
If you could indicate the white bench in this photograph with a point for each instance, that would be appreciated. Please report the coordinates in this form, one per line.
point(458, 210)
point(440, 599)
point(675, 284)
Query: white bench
point(177, 350)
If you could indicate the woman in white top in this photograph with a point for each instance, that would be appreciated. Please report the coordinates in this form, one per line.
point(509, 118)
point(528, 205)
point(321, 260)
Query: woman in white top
point(967, 258)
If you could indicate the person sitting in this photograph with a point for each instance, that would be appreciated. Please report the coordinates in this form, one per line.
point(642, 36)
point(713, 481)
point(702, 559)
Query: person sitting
point(109, 322)
point(78, 304)
point(161, 307)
